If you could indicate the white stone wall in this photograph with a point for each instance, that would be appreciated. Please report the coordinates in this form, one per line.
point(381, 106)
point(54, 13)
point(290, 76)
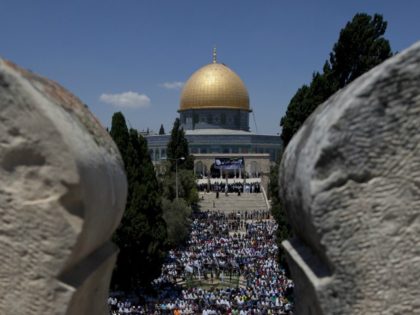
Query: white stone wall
point(62, 194)
point(350, 183)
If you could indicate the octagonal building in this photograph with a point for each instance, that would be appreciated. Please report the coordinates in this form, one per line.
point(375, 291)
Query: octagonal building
point(215, 97)
point(214, 112)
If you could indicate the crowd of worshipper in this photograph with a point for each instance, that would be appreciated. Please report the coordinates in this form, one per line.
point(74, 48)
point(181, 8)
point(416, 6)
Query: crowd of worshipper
point(241, 218)
point(230, 188)
point(221, 248)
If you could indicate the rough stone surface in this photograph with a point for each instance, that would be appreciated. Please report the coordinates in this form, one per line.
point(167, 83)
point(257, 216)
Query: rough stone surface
point(62, 193)
point(350, 183)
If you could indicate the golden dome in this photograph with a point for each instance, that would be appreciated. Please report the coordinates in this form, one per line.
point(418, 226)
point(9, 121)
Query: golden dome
point(214, 86)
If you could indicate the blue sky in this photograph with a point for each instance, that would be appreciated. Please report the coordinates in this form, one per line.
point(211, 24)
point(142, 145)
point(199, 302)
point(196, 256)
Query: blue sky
point(130, 55)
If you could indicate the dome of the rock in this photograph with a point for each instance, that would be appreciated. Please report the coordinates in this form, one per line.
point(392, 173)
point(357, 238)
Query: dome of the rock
point(214, 113)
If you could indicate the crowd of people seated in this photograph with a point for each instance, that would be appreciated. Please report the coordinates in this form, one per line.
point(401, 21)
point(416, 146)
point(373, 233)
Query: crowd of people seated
point(244, 216)
point(235, 255)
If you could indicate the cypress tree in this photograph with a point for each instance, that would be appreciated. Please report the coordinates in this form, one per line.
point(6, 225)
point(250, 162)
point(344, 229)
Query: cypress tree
point(161, 130)
point(119, 133)
point(177, 211)
point(142, 232)
point(178, 147)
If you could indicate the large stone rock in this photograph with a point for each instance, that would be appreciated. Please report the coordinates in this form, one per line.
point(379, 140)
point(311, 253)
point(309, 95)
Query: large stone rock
point(350, 183)
point(62, 193)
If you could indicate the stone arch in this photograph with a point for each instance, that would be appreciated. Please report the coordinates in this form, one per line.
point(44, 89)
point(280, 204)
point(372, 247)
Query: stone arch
point(199, 168)
point(254, 169)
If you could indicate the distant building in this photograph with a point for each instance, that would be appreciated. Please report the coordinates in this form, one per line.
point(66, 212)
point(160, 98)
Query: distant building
point(214, 112)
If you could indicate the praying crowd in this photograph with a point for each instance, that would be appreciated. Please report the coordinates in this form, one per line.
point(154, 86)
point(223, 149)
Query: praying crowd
point(234, 256)
point(242, 217)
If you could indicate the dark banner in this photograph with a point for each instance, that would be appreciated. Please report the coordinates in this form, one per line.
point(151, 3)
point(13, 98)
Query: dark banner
point(228, 163)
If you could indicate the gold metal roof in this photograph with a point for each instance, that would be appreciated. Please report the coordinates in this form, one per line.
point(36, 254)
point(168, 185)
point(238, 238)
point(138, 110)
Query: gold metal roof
point(214, 86)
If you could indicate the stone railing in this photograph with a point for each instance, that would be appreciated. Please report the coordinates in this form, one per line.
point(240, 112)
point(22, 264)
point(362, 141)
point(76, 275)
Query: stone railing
point(62, 193)
point(350, 183)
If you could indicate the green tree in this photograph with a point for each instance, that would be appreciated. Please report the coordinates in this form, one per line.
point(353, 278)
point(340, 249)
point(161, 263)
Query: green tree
point(178, 210)
point(161, 130)
point(141, 235)
point(176, 215)
point(119, 133)
point(178, 148)
point(187, 188)
point(178, 154)
point(359, 48)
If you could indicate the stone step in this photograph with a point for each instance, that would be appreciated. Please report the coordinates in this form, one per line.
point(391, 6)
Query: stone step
point(232, 202)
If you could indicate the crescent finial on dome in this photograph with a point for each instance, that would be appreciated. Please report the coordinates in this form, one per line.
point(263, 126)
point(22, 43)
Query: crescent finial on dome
point(214, 55)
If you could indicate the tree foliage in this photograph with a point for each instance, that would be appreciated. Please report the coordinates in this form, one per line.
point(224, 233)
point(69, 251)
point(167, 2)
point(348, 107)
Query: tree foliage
point(359, 48)
point(178, 148)
point(176, 214)
point(119, 133)
point(178, 210)
point(178, 154)
point(141, 235)
point(187, 189)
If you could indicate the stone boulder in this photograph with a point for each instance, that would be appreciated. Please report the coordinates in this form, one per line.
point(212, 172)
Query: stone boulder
point(62, 194)
point(350, 183)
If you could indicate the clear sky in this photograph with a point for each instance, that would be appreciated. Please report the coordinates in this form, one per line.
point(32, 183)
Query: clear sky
point(133, 55)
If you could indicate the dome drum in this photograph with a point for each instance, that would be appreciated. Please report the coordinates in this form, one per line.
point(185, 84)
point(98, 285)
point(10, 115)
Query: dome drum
point(213, 118)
